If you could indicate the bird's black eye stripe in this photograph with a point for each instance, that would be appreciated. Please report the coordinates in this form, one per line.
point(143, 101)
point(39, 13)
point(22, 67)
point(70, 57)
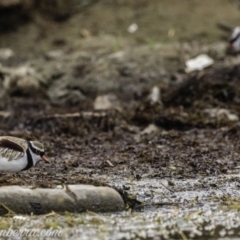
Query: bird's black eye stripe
point(34, 150)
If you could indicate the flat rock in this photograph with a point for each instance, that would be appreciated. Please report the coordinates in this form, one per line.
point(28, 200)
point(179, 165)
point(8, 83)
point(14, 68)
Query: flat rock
point(73, 198)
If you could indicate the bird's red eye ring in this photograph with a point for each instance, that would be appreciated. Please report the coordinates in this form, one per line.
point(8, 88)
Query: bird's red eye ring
point(37, 152)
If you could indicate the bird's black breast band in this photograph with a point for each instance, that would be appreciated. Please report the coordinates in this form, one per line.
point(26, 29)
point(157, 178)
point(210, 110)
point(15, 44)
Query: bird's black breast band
point(29, 158)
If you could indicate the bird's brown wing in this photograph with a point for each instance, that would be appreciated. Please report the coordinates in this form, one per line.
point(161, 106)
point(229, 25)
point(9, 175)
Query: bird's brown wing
point(11, 149)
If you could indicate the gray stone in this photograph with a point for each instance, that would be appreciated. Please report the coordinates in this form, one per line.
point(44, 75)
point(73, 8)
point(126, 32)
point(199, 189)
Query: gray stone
point(72, 198)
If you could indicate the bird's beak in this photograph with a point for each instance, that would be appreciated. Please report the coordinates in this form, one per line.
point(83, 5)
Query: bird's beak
point(45, 159)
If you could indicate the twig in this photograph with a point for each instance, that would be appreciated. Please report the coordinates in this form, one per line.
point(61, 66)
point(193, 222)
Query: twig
point(163, 195)
point(166, 187)
point(50, 214)
point(7, 209)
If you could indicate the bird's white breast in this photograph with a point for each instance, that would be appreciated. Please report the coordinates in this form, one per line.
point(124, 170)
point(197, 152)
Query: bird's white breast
point(14, 165)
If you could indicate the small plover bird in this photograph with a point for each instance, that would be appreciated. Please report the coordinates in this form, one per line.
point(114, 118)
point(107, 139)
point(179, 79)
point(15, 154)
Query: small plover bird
point(234, 41)
point(17, 154)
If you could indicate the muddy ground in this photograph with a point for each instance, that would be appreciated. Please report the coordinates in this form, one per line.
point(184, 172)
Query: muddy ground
point(83, 85)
